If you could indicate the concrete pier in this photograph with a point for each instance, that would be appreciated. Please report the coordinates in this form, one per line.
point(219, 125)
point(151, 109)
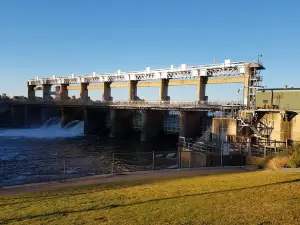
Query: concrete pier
point(106, 96)
point(84, 93)
point(190, 123)
point(94, 120)
point(31, 91)
point(120, 123)
point(132, 89)
point(163, 90)
point(47, 92)
point(201, 88)
point(69, 114)
point(152, 125)
point(63, 92)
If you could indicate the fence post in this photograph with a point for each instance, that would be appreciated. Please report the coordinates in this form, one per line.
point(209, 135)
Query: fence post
point(265, 151)
point(190, 159)
point(221, 154)
point(153, 160)
point(241, 155)
point(64, 169)
point(113, 161)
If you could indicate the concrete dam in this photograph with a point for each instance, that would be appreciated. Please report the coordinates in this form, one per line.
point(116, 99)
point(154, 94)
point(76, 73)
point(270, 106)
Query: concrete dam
point(119, 122)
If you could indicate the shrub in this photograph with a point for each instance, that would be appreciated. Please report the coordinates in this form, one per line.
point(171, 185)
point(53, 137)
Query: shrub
point(257, 162)
point(294, 160)
point(277, 162)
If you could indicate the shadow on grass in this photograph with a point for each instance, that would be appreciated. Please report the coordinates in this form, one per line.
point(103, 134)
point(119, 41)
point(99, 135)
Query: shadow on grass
point(112, 206)
point(126, 183)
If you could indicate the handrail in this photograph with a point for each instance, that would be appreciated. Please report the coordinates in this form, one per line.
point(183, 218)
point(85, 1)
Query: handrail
point(167, 104)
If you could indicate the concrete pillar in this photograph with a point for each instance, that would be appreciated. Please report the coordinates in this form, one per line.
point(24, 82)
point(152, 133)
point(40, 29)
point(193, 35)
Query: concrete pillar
point(246, 86)
point(18, 116)
point(200, 91)
point(84, 93)
point(132, 90)
point(31, 91)
point(190, 123)
point(47, 92)
point(120, 123)
point(163, 90)
point(106, 96)
point(63, 92)
point(94, 120)
point(152, 125)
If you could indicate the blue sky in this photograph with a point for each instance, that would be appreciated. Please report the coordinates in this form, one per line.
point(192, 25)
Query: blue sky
point(41, 38)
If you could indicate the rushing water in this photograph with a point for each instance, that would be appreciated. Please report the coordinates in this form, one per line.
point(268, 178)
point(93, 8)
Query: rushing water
point(33, 155)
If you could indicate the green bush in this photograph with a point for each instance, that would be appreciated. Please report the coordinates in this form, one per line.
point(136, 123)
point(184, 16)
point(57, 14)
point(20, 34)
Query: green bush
point(294, 160)
point(293, 154)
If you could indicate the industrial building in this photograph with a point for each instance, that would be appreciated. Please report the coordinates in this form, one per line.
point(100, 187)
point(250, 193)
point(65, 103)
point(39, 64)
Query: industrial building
point(274, 121)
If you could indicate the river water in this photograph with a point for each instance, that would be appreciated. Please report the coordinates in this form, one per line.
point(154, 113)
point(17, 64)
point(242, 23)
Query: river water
point(49, 152)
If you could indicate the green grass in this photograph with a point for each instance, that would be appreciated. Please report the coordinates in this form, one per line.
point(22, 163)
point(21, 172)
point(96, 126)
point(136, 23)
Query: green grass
point(262, 197)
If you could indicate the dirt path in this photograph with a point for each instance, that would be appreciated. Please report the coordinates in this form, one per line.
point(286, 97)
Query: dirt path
point(104, 179)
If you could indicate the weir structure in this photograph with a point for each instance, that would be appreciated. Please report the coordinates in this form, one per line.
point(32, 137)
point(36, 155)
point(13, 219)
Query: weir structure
point(154, 116)
point(247, 73)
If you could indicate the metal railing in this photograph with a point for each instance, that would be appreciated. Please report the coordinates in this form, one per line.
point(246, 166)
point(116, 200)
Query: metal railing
point(166, 104)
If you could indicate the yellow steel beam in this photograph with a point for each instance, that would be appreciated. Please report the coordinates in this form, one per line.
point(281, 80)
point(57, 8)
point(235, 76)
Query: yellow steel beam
point(225, 80)
point(93, 87)
point(182, 82)
point(119, 85)
point(73, 87)
point(219, 80)
point(38, 88)
point(148, 84)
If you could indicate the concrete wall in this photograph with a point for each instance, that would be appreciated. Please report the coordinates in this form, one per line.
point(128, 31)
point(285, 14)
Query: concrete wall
point(120, 123)
point(18, 116)
point(152, 125)
point(287, 99)
point(191, 123)
point(33, 116)
point(225, 125)
point(281, 129)
point(69, 114)
point(49, 112)
point(94, 120)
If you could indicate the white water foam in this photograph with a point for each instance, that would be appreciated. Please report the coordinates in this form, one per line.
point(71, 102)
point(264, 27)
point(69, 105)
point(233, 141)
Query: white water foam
point(51, 129)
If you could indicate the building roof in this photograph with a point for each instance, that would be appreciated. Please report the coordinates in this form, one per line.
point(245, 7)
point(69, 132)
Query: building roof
point(279, 89)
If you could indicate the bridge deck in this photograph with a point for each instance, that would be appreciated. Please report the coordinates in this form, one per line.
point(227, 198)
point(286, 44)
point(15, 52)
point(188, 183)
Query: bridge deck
point(135, 105)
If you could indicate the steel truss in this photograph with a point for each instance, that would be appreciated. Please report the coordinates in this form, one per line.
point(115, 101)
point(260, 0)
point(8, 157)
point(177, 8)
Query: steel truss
point(227, 68)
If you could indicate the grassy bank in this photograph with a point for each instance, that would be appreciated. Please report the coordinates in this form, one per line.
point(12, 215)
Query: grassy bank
point(263, 197)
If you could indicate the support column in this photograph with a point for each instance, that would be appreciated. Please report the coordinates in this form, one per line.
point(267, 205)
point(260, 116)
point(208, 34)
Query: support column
point(64, 92)
point(201, 87)
point(163, 90)
point(152, 125)
point(84, 93)
point(246, 86)
point(120, 123)
point(47, 92)
point(132, 89)
point(190, 124)
point(106, 96)
point(94, 120)
point(31, 92)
